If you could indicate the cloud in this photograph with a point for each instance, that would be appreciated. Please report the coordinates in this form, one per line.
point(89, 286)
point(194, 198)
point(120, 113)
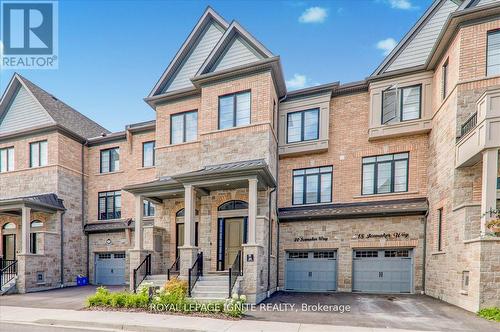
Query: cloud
point(386, 45)
point(313, 15)
point(401, 4)
point(299, 81)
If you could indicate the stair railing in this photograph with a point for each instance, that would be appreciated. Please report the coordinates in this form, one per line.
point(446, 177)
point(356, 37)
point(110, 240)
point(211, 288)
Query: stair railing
point(174, 270)
point(8, 271)
point(195, 272)
point(142, 271)
point(234, 271)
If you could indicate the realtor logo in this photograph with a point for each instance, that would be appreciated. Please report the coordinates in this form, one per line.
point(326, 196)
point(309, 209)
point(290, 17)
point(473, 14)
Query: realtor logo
point(29, 35)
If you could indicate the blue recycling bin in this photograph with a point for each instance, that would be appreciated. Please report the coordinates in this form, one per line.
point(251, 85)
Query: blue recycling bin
point(82, 281)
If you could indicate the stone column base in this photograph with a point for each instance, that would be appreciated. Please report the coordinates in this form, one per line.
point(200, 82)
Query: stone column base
point(187, 258)
point(251, 284)
point(135, 258)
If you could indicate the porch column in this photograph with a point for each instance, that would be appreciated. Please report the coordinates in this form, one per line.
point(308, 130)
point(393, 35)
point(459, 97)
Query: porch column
point(139, 214)
point(489, 186)
point(252, 211)
point(189, 215)
point(25, 230)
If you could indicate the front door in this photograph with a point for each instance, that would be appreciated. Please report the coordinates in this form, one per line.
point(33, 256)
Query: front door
point(9, 246)
point(233, 240)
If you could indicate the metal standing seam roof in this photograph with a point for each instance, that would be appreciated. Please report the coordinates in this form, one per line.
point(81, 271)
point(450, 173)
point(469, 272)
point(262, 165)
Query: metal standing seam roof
point(235, 166)
point(50, 201)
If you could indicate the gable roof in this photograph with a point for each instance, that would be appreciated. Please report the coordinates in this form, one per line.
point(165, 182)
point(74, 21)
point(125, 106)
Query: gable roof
point(207, 20)
point(473, 3)
point(61, 114)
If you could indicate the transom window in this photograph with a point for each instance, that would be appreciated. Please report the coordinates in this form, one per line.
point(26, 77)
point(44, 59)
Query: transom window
point(38, 154)
point(493, 53)
point(401, 104)
point(385, 174)
point(148, 154)
point(7, 159)
point(303, 126)
point(110, 160)
point(234, 110)
point(312, 185)
point(183, 127)
point(148, 209)
point(110, 205)
point(233, 205)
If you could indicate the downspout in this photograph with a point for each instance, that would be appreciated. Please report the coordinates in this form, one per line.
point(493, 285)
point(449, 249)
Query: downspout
point(62, 248)
point(424, 255)
point(270, 226)
point(82, 184)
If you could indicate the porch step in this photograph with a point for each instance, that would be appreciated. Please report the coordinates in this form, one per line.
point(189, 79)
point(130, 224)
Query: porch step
point(211, 286)
point(158, 280)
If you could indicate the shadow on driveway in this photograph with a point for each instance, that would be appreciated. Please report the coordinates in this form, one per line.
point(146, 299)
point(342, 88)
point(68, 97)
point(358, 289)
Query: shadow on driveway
point(62, 298)
point(412, 312)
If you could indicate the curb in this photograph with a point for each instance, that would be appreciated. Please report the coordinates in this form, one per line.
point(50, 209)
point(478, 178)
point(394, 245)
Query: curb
point(109, 326)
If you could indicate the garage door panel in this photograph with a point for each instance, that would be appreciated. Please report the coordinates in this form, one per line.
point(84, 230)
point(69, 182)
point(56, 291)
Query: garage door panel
point(110, 268)
point(311, 271)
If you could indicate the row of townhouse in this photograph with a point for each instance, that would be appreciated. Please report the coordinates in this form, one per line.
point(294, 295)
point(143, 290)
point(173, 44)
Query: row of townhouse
point(382, 185)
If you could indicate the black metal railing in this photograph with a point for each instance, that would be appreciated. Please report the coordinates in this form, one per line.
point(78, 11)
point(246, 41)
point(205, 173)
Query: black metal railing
point(174, 270)
point(235, 271)
point(468, 125)
point(142, 271)
point(8, 270)
point(195, 272)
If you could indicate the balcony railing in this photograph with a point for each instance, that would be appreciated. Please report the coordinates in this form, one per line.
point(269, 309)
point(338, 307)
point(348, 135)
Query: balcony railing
point(468, 125)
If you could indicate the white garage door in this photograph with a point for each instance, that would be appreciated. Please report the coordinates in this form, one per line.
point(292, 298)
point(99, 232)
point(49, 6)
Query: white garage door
point(311, 271)
point(382, 271)
point(110, 268)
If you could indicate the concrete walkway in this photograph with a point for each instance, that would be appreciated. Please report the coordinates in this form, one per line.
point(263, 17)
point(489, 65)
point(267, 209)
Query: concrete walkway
point(131, 321)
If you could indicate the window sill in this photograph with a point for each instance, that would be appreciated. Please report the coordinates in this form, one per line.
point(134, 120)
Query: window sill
point(438, 253)
point(405, 128)
point(388, 194)
point(178, 144)
point(466, 293)
point(145, 168)
point(236, 128)
point(311, 204)
point(109, 173)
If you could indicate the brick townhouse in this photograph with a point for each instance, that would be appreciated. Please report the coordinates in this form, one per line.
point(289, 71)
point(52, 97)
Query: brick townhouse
point(382, 185)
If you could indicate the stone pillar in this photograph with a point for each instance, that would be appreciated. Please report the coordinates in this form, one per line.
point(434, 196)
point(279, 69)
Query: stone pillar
point(489, 186)
point(252, 211)
point(189, 251)
point(25, 230)
point(139, 213)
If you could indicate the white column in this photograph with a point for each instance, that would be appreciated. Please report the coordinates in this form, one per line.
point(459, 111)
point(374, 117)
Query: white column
point(189, 216)
point(139, 214)
point(252, 211)
point(489, 186)
point(25, 229)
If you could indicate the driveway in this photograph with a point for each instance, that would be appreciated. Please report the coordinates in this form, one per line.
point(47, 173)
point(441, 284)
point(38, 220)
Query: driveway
point(63, 298)
point(412, 312)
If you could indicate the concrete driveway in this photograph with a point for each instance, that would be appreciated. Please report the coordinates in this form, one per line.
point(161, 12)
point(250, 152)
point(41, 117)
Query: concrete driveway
point(63, 298)
point(412, 312)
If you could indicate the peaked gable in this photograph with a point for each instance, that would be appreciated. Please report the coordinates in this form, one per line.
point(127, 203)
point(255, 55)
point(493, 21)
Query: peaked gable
point(237, 53)
point(23, 112)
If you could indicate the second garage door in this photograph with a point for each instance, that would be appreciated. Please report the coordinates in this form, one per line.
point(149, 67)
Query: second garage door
point(311, 271)
point(382, 271)
point(110, 268)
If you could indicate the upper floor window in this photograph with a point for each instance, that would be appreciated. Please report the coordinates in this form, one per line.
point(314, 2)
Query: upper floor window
point(439, 238)
point(444, 79)
point(36, 226)
point(38, 154)
point(110, 205)
point(234, 110)
point(303, 126)
point(148, 154)
point(110, 160)
point(312, 185)
point(148, 209)
point(183, 127)
point(7, 159)
point(401, 104)
point(493, 53)
point(385, 174)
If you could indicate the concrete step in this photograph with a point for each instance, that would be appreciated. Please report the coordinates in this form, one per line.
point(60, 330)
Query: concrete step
point(211, 295)
point(204, 288)
point(9, 288)
point(157, 277)
point(213, 278)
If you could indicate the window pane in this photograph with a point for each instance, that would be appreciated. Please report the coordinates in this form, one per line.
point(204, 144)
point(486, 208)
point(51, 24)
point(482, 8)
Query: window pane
point(191, 126)
point(384, 178)
point(298, 190)
point(118, 205)
point(43, 153)
point(369, 160)
point(312, 170)
point(410, 103)
point(226, 108)
point(35, 155)
point(177, 128)
point(115, 160)
point(10, 159)
point(148, 154)
point(102, 208)
point(368, 178)
point(312, 189)
point(400, 175)
point(326, 188)
point(3, 160)
point(299, 172)
point(111, 207)
point(493, 56)
point(311, 124)
point(389, 106)
point(243, 109)
point(294, 127)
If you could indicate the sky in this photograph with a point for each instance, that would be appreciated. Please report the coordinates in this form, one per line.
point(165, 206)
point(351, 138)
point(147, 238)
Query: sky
point(112, 52)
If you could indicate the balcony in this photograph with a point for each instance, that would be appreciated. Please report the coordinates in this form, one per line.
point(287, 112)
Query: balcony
point(481, 131)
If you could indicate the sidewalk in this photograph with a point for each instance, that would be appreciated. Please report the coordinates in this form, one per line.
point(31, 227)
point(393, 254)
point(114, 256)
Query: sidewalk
point(132, 321)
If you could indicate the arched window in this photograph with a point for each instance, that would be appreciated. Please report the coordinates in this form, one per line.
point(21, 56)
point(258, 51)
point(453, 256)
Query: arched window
point(182, 212)
point(36, 223)
point(35, 227)
point(233, 205)
point(9, 225)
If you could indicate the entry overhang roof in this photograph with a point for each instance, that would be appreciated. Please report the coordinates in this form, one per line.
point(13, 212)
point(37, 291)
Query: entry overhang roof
point(45, 202)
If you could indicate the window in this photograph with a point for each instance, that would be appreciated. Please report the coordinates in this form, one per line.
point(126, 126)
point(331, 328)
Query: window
point(366, 253)
point(38, 154)
point(385, 174)
point(493, 53)
point(312, 185)
point(234, 110)
point(183, 127)
point(148, 154)
point(397, 253)
point(303, 126)
point(324, 254)
point(148, 209)
point(110, 205)
point(440, 230)
point(465, 281)
point(233, 205)
point(119, 255)
point(298, 254)
point(104, 256)
point(35, 226)
point(401, 104)
point(444, 79)
point(110, 160)
point(7, 159)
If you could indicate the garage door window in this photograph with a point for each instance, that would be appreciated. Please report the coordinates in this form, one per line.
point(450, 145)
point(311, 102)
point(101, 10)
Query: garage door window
point(324, 254)
point(366, 253)
point(298, 254)
point(104, 256)
point(397, 253)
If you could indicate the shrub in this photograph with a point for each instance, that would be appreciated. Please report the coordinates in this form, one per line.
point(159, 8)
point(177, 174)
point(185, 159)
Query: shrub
point(176, 288)
point(235, 306)
point(100, 298)
point(104, 298)
point(490, 313)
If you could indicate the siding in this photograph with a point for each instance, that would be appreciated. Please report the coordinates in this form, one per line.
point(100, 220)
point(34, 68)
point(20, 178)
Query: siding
point(24, 112)
point(418, 50)
point(485, 2)
point(206, 42)
point(238, 53)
